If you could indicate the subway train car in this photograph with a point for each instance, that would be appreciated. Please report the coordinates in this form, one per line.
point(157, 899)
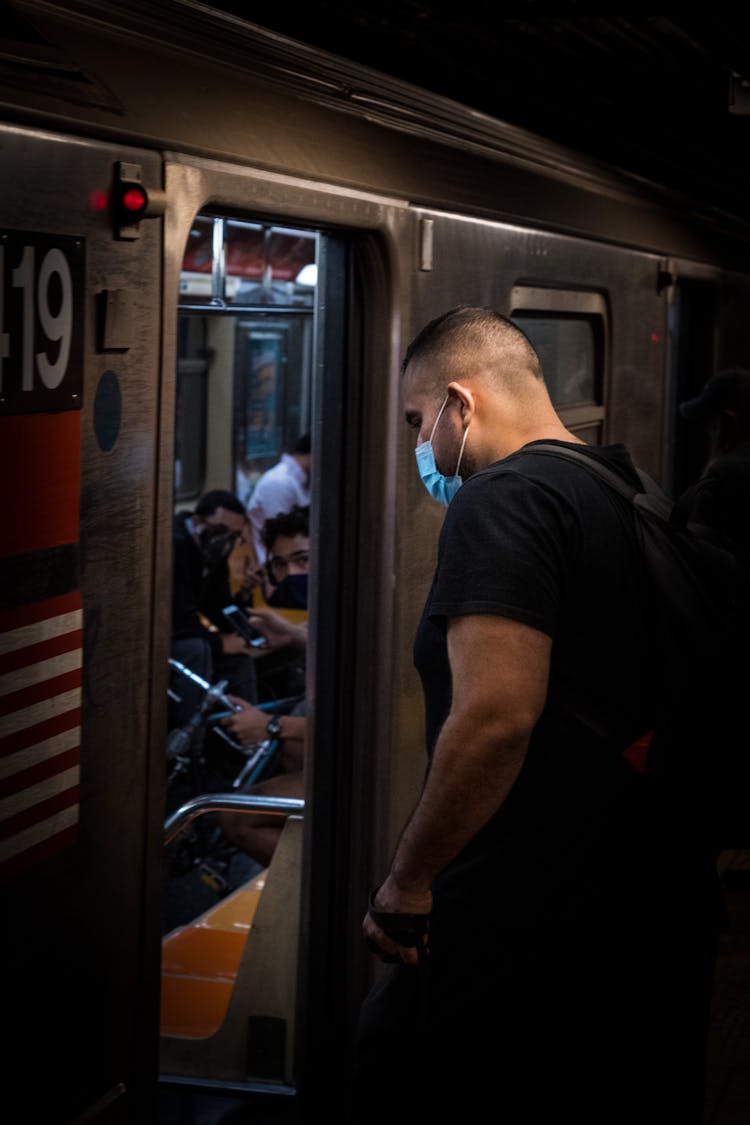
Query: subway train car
point(214, 240)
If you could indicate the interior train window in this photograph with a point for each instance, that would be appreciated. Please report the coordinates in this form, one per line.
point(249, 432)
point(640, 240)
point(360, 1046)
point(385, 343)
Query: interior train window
point(269, 265)
point(245, 340)
point(569, 331)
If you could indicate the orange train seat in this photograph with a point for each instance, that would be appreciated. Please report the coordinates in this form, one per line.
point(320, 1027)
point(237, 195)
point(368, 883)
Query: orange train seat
point(230, 973)
point(199, 964)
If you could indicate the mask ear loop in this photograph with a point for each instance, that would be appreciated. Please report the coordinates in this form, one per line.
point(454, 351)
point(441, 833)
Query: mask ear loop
point(440, 414)
point(461, 451)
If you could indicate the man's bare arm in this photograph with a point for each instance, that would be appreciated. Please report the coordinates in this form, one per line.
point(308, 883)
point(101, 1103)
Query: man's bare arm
point(500, 671)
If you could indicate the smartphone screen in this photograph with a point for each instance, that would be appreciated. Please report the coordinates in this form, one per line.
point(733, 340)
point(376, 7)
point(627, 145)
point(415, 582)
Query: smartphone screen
point(237, 618)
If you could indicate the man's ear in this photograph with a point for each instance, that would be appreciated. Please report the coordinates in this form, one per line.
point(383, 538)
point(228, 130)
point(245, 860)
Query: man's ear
point(466, 398)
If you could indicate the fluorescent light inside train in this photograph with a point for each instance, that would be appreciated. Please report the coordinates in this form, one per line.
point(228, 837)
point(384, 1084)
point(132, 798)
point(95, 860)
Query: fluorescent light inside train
point(308, 275)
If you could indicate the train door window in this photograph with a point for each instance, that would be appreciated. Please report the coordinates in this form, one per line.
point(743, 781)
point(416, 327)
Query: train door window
point(245, 338)
point(568, 329)
point(245, 348)
point(196, 279)
point(269, 265)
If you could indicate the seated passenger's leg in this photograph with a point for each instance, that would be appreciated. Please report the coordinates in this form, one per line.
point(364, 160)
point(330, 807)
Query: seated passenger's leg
point(257, 834)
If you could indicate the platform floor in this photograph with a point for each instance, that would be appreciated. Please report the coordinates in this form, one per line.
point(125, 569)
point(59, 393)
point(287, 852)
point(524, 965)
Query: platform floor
point(728, 1068)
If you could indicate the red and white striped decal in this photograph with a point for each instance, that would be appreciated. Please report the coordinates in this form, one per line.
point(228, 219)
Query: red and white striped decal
point(40, 730)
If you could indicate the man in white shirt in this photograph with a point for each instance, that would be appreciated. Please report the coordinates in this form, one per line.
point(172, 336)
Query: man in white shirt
point(284, 486)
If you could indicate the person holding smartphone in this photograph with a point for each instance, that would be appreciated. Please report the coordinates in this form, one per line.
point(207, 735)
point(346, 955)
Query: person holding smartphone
point(202, 637)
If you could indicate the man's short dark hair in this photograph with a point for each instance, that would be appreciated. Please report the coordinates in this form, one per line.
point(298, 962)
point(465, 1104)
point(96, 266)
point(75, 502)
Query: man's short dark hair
point(219, 498)
point(302, 444)
point(295, 522)
point(458, 337)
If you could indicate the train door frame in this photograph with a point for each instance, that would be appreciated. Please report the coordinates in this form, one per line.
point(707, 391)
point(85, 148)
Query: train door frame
point(701, 299)
point(692, 318)
point(355, 436)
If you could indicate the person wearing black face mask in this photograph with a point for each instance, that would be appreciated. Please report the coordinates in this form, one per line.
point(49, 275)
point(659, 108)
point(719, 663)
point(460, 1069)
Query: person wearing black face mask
point(284, 578)
point(202, 542)
point(287, 540)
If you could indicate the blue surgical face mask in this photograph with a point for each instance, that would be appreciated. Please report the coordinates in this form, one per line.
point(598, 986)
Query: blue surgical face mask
point(440, 487)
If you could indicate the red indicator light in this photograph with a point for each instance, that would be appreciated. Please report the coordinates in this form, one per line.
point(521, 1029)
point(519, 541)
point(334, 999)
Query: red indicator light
point(654, 337)
point(134, 199)
point(98, 200)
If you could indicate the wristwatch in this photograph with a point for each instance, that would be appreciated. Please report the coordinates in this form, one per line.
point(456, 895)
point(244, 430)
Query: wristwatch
point(274, 727)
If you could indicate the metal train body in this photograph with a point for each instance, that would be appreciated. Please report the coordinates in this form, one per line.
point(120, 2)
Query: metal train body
point(413, 204)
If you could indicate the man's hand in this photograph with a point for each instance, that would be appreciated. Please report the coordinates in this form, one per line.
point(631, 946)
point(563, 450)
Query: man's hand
point(248, 725)
point(279, 632)
point(232, 644)
point(392, 899)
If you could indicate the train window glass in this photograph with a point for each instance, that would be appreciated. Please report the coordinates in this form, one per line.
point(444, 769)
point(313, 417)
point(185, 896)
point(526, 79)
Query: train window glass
point(269, 265)
point(245, 345)
point(197, 266)
point(570, 330)
point(567, 348)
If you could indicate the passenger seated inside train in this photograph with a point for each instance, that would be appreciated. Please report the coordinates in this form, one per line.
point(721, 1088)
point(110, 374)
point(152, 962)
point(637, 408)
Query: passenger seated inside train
point(282, 584)
point(284, 486)
point(287, 542)
point(282, 580)
point(202, 638)
point(253, 833)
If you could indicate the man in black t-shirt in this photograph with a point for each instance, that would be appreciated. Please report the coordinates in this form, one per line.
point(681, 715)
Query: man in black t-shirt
point(568, 966)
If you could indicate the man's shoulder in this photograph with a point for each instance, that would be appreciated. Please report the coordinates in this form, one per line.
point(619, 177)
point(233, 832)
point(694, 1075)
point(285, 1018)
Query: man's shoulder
point(271, 478)
point(553, 467)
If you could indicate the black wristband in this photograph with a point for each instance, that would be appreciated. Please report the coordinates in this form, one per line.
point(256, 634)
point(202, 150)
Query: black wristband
point(405, 929)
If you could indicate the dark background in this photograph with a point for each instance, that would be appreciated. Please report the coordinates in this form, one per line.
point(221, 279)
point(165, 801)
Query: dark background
point(666, 98)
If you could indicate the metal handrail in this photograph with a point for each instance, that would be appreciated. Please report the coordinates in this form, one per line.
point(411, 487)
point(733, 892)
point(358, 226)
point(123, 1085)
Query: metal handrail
point(227, 802)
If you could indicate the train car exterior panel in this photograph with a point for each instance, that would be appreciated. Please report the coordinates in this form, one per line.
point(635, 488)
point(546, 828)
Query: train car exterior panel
point(68, 948)
point(342, 125)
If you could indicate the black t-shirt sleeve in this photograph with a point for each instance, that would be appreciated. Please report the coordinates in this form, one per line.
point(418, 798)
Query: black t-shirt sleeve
point(505, 549)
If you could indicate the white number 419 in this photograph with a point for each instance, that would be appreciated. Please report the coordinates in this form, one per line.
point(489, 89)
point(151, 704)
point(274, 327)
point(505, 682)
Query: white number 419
point(56, 326)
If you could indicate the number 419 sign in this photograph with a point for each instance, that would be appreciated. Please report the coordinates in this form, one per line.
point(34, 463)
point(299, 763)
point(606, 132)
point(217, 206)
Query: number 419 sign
point(41, 322)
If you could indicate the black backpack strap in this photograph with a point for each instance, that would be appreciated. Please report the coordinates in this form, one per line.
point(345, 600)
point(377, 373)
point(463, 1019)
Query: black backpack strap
point(649, 496)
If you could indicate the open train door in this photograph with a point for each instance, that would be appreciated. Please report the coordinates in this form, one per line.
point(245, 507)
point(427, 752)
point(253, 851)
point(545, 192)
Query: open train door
point(260, 984)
